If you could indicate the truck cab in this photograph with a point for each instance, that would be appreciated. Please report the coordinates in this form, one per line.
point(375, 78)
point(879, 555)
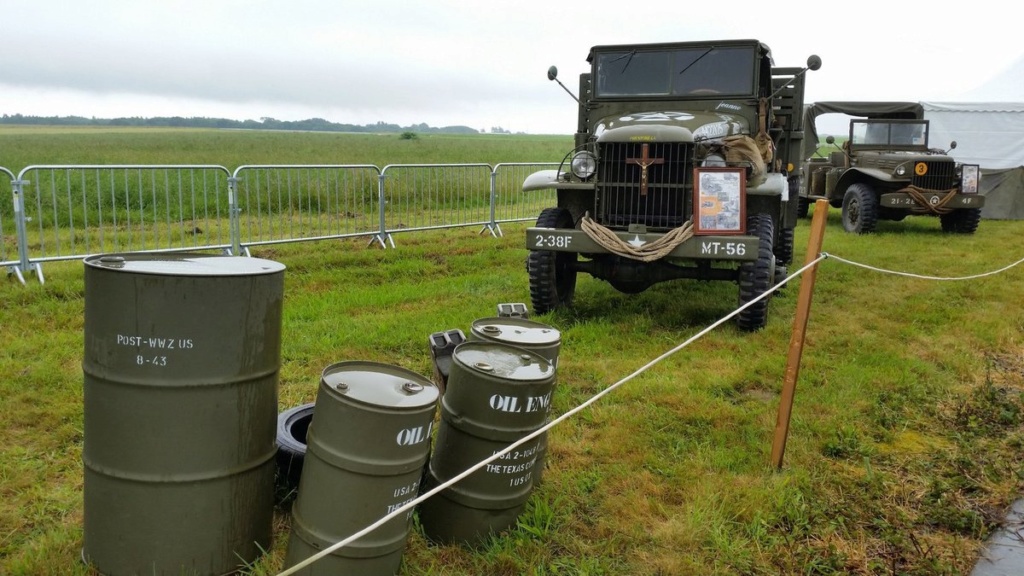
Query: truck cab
point(683, 168)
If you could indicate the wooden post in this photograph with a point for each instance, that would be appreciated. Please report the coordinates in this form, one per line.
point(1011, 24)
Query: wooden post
point(796, 341)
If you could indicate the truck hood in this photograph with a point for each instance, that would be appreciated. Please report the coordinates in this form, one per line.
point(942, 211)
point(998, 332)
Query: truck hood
point(669, 126)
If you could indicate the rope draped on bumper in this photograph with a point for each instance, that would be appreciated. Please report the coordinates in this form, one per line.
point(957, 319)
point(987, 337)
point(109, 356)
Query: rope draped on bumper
point(648, 252)
point(939, 207)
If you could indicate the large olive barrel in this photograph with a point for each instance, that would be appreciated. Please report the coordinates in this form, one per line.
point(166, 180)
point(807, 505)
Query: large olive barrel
point(182, 354)
point(535, 336)
point(366, 447)
point(496, 395)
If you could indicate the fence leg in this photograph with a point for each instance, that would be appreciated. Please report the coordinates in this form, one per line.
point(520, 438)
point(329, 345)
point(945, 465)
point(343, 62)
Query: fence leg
point(17, 272)
point(24, 264)
point(234, 215)
point(382, 238)
point(492, 226)
point(796, 342)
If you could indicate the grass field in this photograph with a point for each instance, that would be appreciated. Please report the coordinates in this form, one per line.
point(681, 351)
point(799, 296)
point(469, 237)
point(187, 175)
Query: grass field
point(28, 146)
point(904, 451)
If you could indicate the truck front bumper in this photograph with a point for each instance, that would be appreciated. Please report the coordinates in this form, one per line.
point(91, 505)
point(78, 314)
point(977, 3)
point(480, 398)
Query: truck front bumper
point(906, 201)
point(695, 248)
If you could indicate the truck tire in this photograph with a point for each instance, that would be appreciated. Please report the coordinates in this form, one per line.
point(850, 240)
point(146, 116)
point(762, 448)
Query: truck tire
point(803, 207)
point(552, 274)
point(292, 426)
point(961, 221)
point(784, 249)
point(757, 276)
point(860, 209)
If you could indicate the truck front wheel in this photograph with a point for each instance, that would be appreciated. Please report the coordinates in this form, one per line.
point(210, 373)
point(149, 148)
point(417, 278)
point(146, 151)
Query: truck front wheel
point(860, 209)
point(552, 274)
point(961, 221)
point(757, 276)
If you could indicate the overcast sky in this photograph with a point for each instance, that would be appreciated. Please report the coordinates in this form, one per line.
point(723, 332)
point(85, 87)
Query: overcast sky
point(475, 63)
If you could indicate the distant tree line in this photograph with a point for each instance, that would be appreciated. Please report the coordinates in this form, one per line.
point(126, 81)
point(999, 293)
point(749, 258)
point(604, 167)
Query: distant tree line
point(312, 124)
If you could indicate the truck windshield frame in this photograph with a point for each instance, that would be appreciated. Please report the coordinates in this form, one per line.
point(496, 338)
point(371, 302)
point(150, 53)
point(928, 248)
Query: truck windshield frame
point(701, 71)
point(892, 134)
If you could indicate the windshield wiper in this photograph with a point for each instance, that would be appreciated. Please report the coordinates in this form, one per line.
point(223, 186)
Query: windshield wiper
point(697, 59)
point(630, 59)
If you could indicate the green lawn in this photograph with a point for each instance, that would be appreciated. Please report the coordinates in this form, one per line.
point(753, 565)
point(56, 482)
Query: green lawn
point(903, 454)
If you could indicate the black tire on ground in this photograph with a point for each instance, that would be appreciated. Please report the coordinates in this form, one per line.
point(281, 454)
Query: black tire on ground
point(781, 273)
point(784, 248)
point(803, 207)
point(757, 276)
point(292, 426)
point(552, 274)
point(961, 221)
point(860, 209)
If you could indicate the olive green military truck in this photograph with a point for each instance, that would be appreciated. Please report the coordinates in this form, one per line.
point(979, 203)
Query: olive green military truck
point(683, 168)
point(886, 170)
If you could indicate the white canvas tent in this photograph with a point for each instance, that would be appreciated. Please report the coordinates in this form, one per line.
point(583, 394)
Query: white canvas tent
point(990, 134)
point(988, 126)
point(987, 133)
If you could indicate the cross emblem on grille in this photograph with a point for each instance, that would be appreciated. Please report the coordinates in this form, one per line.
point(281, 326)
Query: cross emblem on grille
point(644, 161)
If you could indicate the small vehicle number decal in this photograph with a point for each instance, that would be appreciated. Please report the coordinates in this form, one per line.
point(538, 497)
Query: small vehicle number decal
point(553, 241)
point(920, 169)
point(723, 248)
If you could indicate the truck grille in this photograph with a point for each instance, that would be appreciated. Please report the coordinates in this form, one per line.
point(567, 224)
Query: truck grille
point(941, 175)
point(621, 196)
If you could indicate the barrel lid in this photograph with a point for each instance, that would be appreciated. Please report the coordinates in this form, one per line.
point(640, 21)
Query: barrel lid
point(182, 264)
point(380, 384)
point(516, 331)
point(503, 361)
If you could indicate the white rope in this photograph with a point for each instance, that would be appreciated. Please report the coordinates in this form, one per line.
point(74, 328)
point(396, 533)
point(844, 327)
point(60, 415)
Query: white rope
point(920, 276)
point(647, 252)
point(497, 455)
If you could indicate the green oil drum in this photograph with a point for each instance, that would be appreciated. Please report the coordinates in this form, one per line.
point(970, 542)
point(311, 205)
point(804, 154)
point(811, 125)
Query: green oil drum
point(540, 338)
point(496, 395)
point(367, 445)
point(182, 354)
point(514, 331)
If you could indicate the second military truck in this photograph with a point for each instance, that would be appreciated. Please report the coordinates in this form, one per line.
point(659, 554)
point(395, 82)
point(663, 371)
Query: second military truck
point(886, 170)
point(683, 168)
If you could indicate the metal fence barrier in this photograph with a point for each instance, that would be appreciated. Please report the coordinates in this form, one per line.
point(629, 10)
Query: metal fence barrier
point(65, 212)
point(431, 196)
point(508, 202)
point(8, 238)
point(294, 203)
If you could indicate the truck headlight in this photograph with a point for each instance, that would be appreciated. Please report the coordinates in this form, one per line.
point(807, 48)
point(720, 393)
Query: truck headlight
point(970, 178)
point(713, 160)
point(584, 164)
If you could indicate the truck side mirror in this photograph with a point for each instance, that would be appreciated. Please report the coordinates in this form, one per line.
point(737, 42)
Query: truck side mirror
point(553, 75)
point(813, 62)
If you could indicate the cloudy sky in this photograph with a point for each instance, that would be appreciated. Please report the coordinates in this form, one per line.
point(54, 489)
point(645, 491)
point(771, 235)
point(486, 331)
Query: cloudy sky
point(475, 63)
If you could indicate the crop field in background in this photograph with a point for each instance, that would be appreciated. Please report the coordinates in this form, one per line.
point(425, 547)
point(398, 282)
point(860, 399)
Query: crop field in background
point(25, 146)
point(908, 423)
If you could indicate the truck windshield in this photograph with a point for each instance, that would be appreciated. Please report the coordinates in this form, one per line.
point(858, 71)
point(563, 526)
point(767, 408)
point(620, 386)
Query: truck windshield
point(706, 70)
point(892, 133)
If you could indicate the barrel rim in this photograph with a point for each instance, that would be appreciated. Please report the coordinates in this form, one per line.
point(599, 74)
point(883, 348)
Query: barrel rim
point(423, 402)
point(190, 265)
